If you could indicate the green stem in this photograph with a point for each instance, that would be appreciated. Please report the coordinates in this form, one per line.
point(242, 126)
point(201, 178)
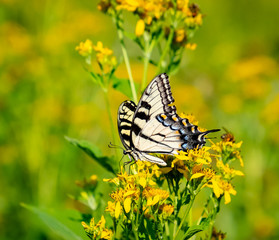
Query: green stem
point(147, 54)
point(162, 63)
point(177, 198)
point(175, 219)
point(126, 58)
point(110, 118)
point(167, 229)
point(184, 217)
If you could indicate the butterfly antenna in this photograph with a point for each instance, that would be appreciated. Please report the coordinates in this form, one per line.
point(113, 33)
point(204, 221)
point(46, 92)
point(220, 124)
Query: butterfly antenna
point(111, 145)
point(210, 137)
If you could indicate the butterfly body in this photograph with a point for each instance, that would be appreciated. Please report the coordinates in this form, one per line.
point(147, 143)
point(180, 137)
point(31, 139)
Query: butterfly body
point(153, 125)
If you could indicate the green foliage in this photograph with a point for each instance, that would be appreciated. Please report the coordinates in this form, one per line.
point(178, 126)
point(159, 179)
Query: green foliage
point(95, 153)
point(56, 226)
point(230, 80)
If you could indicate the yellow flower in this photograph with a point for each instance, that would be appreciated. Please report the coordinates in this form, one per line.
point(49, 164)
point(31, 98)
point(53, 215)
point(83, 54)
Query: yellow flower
point(127, 204)
point(194, 21)
point(155, 194)
point(140, 28)
point(118, 209)
point(196, 156)
point(180, 35)
point(208, 173)
point(99, 48)
point(97, 230)
point(220, 187)
point(226, 171)
point(90, 183)
point(85, 48)
point(228, 151)
point(129, 5)
point(105, 57)
point(191, 46)
point(166, 210)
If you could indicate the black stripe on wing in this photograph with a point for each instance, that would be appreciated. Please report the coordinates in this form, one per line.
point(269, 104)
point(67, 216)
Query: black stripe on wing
point(124, 121)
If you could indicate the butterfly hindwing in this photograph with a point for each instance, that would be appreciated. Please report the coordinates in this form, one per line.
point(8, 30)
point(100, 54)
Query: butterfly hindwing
point(125, 117)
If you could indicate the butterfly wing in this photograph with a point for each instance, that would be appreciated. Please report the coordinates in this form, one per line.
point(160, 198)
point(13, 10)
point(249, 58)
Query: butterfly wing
point(125, 115)
point(156, 126)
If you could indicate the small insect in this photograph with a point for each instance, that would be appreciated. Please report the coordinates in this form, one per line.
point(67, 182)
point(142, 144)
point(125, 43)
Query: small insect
point(228, 136)
point(153, 126)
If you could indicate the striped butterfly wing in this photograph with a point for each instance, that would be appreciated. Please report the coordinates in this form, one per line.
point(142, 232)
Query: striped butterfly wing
point(156, 126)
point(126, 113)
point(153, 126)
point(125, 125)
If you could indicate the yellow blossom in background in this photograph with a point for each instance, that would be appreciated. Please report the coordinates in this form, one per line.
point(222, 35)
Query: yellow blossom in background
point(231, 103)
point(99, 48)
point(140, 28)
point(85, 48)
point(270, 113)
point(180, 35)
point(254, 88)
point(191, 46)
point(194, 21)
point(105, 57)
point(252, 67)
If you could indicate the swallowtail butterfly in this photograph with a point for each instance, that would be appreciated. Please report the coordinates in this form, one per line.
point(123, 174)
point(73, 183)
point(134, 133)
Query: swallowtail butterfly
point(153, 125)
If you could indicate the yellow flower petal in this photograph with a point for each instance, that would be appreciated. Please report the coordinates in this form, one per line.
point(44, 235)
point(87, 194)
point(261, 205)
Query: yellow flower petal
point(142, 182)
point(140, 28)
point(227, 197)
point(117, 210)
point(197, 175)
point(128, 193)
point(152, 183)
point(127, 204)
point(155, 200)
point(217, 191)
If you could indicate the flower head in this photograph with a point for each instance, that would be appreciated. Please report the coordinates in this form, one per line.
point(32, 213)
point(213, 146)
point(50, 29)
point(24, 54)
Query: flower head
point(85, 48)
point(97, 231)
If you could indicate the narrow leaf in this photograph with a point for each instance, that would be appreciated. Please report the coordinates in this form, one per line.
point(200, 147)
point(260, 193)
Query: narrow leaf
point(123, 85)
point(192, 231)
point(55, 225)
point(94, 152)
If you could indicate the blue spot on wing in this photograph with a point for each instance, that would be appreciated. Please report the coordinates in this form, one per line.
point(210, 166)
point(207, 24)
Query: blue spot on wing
point(184, 146)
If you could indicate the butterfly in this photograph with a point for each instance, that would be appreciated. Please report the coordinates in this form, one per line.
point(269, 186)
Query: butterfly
point(153, 126)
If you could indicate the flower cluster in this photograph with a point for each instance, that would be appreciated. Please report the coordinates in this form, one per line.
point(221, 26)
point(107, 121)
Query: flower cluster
point(135, 188)
point(161, 198)
point(167, 25)
point(97, 231)
point(104, 56)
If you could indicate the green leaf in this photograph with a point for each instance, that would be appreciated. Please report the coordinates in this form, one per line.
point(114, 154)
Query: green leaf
point(94, 152)
point(197, 228)
point(123, 85)
point(192, 231)
point(55, 225)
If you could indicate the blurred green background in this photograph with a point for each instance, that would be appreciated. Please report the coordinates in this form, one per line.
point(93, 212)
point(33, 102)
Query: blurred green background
point(230, 80)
